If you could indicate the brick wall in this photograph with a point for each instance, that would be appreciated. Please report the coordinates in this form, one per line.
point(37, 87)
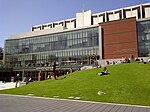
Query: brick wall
point(119, 38)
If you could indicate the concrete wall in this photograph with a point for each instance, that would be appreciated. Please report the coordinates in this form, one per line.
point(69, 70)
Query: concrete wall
point(117, 15)
point(47, 31)
point(147, 11)
point(138, 11)
point(83, 19)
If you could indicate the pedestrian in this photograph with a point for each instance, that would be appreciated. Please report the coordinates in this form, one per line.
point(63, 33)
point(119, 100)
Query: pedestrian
point(30, 79)
point(17, 80)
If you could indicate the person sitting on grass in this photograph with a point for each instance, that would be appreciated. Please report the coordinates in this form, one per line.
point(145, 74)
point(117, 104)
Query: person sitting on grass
point(105, 72)
point(142, 61)
point(30, 79)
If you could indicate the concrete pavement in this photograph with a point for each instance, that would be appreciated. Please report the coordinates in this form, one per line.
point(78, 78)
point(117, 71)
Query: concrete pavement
point(9, 103)
point(7, 85)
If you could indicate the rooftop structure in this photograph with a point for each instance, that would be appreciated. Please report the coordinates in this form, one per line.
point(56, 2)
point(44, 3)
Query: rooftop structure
point(86, 18)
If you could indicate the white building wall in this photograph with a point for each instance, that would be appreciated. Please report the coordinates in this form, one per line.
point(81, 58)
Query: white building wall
point(87, 18)
point(100, 42)
point(110, 17)
point(68, 25)
point(47, 27)
point(128, 13)
point(80, 19)
point(100, 19)
point(117, 16)
point(135, 13)
point(58, 25)
point(83, 19)
point(147, 12)
point(95, 20)
point(72, 24)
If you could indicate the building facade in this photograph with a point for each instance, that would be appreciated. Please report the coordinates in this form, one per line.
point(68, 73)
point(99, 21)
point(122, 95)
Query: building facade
point(43, 50)
point(69, 49)
point(81, 41)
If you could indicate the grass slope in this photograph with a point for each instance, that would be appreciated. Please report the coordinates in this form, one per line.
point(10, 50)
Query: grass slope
point(126, 84)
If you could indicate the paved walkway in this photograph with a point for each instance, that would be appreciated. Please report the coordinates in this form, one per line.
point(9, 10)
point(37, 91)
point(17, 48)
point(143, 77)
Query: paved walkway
point(10, 103)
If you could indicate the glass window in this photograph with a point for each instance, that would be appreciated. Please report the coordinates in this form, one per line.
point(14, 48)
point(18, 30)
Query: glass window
point(143, 37)
point(63, 44)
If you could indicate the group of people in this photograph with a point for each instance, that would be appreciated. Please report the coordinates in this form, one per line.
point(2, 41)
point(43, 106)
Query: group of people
point(109, 63)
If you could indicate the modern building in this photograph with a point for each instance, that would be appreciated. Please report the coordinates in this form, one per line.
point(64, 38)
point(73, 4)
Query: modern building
point(5, 72)
point(87, 39)
point(1, 56)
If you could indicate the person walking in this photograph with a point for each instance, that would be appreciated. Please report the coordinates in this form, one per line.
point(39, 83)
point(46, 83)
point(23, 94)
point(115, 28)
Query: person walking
point(17, 80)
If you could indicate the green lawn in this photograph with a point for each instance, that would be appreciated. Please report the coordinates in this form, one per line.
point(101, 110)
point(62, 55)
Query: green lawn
point(126, 84)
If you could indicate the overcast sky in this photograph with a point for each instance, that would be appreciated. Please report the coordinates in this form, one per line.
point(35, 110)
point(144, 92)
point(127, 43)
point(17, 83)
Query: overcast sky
point(18, 16)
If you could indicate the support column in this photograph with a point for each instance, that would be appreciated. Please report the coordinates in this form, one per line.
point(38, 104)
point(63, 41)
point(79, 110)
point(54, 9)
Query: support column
point(45, 75)
point(122, 12)
point(141, 11)
point(100, 42)
point(39, 75)
point(106, 19)
point(22, 73)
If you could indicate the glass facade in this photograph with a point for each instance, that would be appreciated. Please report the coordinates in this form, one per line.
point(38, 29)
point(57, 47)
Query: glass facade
point(72, 47)
point(143, 38)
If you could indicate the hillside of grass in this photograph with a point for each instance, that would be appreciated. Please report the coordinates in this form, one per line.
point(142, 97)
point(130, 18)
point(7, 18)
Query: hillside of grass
point(126, 84)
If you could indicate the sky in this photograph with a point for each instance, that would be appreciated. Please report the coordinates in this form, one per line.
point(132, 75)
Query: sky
point(18, 16)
